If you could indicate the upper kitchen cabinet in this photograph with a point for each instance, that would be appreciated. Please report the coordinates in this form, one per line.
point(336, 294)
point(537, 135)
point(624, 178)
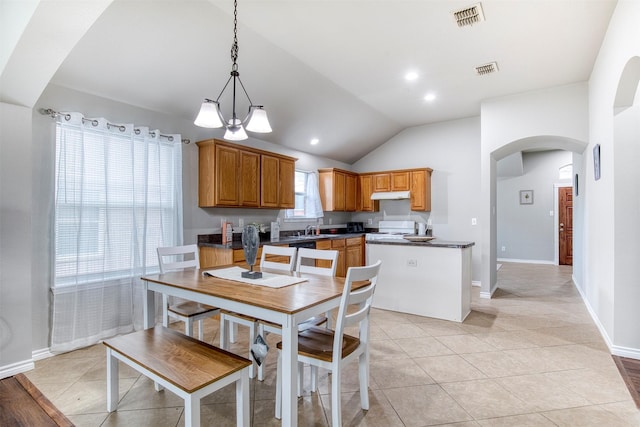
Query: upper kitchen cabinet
point(338, 190)
point(416, 181)
point(232, 175)
point(277, 182)
point(421, 189)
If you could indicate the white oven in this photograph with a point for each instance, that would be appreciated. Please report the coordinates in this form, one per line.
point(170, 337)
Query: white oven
point(392, 230)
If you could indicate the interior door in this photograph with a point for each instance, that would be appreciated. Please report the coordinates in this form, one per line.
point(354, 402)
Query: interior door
point(565, 225)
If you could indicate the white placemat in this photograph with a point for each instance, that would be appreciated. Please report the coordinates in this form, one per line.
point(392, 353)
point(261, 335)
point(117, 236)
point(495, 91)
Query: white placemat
point(268, 279)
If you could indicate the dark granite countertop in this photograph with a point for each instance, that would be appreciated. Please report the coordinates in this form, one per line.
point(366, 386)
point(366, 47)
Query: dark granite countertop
point(435, 243)
point(215, 240)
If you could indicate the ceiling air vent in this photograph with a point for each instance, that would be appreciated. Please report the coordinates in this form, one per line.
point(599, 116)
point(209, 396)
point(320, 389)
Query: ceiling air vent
point(489, 68)
point(469, 15)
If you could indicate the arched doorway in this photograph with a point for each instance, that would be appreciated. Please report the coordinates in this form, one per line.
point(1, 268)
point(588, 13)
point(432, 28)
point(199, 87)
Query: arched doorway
point(550, 142)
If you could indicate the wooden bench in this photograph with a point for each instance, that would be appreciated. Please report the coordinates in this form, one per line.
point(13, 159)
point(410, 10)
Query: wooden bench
point(187, 367)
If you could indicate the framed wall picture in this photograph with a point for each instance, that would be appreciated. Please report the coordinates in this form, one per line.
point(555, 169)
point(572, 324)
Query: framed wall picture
point(526, 197)
point(596, 162)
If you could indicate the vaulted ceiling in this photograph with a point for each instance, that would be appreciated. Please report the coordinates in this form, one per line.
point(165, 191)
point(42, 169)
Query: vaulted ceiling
point(334, 70)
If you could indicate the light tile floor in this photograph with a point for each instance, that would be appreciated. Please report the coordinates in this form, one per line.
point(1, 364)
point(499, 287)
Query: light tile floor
point(531, 356)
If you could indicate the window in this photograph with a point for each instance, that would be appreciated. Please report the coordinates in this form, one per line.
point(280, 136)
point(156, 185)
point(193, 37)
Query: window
point(116, 201)
point(307, 197)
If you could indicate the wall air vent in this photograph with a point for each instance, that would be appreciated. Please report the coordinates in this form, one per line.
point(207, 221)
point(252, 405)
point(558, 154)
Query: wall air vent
point(489, 68)
point(469, 15)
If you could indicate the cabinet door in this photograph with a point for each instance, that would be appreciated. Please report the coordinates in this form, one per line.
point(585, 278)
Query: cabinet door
point(350, 185)
point(287, 191)
point(366, 188)
point(269, 171)
point(249, 178)
point(354, 257)
point(227, 187)
point(214, 257)
point(206, 174)
point(323, 245)
point(421, 190)
point(339, 180)
point(381, 182)
point(339, 245)
point(400, 181)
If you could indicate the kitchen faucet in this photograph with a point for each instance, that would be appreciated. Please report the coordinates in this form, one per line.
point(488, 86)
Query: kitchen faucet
point(308, 230)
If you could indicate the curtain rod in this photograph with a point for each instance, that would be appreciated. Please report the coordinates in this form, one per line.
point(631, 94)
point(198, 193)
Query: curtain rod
point(53, 114)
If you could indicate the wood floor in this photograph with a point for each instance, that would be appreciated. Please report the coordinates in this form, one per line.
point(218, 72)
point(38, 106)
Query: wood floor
point(630, 371)
point(22, 404)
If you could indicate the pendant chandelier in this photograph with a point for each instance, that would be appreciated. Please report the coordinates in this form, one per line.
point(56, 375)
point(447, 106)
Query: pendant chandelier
point(210, 115)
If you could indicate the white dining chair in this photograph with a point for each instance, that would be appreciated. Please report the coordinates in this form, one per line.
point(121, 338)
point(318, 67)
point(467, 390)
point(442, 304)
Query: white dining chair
point(305, 263)
point(178, 258)
point(229, 321)
point(332, 350)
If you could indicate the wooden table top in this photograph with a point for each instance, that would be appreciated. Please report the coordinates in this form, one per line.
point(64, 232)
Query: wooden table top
point(288, 299)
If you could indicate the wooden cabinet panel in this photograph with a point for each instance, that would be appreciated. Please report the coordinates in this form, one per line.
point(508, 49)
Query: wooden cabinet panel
point(400, 181)
point(421, 190)
point(287, 191)
point(366, 188)
point(206, 175)
point(339, 245)
point(354, 252)
point(269, 174)
point(338, 191)
point(381, 182)
point(249, 178)
point(213, 257)
point(227, 188)
point(350, 195)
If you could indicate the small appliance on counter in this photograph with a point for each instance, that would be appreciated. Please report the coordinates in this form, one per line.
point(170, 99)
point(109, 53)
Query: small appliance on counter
point(355, 227)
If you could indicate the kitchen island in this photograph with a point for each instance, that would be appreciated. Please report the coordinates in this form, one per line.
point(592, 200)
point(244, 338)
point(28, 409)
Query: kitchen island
point(431, 279)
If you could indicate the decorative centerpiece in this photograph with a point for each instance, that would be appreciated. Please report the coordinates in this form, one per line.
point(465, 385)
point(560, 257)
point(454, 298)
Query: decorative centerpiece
point(250, 244)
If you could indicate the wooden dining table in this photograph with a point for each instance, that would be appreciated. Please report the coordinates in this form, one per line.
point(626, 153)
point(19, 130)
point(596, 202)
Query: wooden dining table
point(287, 306)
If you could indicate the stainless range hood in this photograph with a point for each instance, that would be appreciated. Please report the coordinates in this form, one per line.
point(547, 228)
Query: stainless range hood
point(391, 195)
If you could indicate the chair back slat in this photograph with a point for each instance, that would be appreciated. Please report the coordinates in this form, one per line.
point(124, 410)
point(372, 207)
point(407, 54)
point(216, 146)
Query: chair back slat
point(278, 251)
point(362, 297)
point(178, 257)
point(317, 254)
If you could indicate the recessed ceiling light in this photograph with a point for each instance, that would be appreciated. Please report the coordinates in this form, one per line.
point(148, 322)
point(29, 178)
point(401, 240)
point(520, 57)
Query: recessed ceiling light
point(411, 76)
point(314, 141)
point(430, 97)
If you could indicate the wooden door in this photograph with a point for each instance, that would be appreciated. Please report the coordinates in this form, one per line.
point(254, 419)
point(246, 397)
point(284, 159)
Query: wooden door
point(565, 225)
point(381, 182)
point(400, 181)
point(350, 185)
point(338, 191)
point(366, 188)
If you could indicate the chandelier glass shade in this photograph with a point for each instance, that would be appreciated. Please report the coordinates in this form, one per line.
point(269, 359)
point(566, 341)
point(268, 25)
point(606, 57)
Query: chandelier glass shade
point(210, 115)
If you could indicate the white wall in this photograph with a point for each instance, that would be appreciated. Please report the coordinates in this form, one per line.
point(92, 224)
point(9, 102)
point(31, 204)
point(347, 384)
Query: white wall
point(612, 298)
point(452, 150)
point(527, 232)
point(15, 239)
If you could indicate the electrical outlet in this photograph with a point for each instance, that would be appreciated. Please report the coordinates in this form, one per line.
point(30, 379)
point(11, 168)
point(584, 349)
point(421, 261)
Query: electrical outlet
point(241, 222)
point(550, 213)
point(504, 248)
point(370, 221)
point(412, 263)
point(474, 221)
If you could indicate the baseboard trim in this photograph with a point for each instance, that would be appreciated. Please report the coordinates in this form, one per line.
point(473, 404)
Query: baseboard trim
point(43, 353)
point(527, 261)
point(16, 368)
point(476, 283)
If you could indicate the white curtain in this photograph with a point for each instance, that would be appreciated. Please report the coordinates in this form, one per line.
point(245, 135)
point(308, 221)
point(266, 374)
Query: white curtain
point(118, 196)
point(313, 204)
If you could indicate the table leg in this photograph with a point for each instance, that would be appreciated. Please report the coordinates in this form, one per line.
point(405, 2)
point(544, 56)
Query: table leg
point(289, 373)
point(148, 306)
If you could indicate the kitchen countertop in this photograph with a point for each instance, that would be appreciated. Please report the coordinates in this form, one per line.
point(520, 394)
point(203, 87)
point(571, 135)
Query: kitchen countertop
point(435, 243)
point(215, 240)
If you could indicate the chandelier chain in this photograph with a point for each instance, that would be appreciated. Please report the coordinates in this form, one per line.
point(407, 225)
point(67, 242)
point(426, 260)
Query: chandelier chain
point(234, 46)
